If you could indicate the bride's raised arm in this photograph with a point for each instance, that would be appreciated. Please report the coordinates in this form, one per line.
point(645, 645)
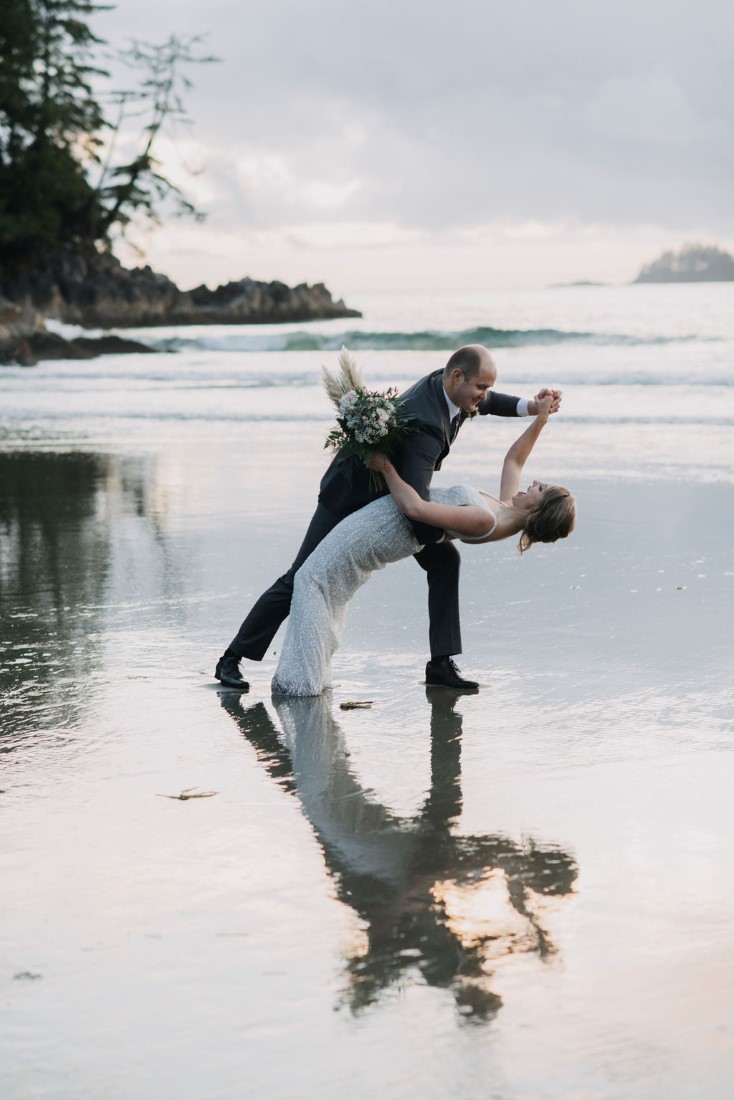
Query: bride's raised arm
point(518, 453)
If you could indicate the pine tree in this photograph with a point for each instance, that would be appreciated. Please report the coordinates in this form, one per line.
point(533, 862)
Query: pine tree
point(55, 194)
point(50, 123)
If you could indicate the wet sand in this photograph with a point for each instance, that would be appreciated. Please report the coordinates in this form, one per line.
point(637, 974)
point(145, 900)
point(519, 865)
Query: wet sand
point(520, 893)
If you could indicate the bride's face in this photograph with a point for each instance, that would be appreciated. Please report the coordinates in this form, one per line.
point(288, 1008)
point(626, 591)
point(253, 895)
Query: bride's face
point(532, 496)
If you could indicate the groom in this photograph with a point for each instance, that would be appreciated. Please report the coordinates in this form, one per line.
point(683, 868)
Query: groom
point(439, 404)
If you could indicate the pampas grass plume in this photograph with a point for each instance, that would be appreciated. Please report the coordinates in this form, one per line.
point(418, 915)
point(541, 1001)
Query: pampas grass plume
point(348, 378)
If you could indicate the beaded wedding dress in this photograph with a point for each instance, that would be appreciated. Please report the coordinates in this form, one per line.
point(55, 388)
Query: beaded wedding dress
point(363, 542)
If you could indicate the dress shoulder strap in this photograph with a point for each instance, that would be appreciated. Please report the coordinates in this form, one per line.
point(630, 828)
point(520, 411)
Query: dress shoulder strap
point(481, 538)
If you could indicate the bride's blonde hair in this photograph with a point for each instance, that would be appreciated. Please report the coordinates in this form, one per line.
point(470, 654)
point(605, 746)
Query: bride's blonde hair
point(554, 518)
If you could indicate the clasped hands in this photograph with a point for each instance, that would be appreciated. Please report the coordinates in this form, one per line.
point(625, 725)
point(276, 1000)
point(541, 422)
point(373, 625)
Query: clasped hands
point(546, 401)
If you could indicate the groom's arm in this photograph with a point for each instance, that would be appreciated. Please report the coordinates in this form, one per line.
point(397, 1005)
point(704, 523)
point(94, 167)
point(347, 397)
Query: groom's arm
point(502, 404)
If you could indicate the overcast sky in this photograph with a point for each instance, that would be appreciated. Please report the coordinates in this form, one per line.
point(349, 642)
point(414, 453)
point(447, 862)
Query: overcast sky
point(388, 144)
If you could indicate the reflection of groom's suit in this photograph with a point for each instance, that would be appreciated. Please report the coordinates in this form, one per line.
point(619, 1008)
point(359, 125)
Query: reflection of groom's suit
point(345, 488)
point(399, 873)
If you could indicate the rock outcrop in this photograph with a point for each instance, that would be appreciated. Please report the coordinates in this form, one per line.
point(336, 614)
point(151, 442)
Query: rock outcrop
point(24, 339)
point(98, 292)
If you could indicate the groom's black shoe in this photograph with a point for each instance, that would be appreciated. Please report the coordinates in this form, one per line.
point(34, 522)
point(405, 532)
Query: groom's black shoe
point(442, 672)
point(228, 673)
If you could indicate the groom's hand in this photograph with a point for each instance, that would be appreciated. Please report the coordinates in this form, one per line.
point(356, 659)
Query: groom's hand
point(534, 407)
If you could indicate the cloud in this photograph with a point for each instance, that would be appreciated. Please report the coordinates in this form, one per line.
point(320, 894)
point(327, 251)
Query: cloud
point(434, 118)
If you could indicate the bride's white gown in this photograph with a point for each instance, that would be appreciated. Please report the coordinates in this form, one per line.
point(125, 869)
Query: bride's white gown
point(367, 540)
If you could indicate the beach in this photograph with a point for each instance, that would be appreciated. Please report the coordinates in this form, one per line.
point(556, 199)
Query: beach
point(525, 892)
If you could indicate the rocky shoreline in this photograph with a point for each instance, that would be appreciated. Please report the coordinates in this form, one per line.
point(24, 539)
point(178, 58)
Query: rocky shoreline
point(25, 340)
point(98, 292)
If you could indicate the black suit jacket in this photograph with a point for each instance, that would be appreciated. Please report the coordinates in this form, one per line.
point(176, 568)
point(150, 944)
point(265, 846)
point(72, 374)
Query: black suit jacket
point(345, 485)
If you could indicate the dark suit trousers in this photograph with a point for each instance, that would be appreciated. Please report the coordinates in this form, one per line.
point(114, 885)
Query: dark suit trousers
point(261, 625)
point(441, 563)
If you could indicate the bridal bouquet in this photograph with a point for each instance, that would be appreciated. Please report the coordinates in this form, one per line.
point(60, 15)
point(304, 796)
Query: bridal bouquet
point(367, 421)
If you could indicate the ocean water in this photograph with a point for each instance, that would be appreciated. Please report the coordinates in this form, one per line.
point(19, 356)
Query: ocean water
point(646, 372)
point(521, 893)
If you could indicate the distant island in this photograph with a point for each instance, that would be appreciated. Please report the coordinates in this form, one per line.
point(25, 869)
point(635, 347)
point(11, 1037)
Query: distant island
point(693, 263)
point(577, 282)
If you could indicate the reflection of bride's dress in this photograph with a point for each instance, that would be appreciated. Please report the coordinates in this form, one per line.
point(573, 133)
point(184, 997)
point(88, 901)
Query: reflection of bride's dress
point(430, 900)
point(366, 540)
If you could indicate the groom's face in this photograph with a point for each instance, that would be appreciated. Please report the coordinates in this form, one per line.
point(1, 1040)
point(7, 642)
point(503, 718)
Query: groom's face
point(468, 392)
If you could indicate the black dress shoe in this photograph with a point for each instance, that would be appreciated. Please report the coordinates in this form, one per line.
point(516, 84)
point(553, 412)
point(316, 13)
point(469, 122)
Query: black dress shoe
point(442, 672)
point(228, 673)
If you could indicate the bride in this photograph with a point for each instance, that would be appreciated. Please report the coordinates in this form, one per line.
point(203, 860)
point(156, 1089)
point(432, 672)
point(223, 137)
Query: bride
point(381, 533)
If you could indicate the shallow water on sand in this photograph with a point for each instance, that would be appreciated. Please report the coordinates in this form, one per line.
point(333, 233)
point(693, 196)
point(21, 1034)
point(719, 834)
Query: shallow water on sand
point(524, 892)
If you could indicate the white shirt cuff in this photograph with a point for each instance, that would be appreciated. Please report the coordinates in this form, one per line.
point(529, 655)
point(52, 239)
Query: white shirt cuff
point(523, 407)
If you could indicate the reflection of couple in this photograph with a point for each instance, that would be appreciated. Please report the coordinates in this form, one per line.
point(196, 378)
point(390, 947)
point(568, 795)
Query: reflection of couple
point(431, 902)
point(351, 533)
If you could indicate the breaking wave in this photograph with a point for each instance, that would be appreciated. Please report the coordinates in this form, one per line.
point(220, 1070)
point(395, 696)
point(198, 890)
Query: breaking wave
point(429, 340)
